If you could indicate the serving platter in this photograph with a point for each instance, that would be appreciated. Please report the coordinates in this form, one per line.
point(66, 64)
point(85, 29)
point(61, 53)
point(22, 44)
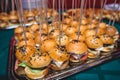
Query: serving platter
point(75, 68)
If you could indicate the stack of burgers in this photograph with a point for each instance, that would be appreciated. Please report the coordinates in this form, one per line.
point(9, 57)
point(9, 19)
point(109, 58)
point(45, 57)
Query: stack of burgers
point(30, 17)
point(60, 44)
point(109, 14)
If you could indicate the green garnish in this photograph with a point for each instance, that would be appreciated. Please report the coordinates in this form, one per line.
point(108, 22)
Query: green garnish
point(22, 64)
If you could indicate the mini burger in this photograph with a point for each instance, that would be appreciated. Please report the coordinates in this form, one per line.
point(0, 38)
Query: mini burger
point(30, 42)
point(35, 63)
point(77, 50)
point(60, 58)
point(4, 21)
point(108, 44)
point(70, 30)
point(95, 45)
point(27, 35)
point(62, 39)
point(48, 44)
point(34, 27)
point(18, 30)
point(89, 32)
point(75, 37)
point(30, 17)
point(37, 38)
point(112, 31)
point(14, 19)
point(54, 33)
point(23, 52)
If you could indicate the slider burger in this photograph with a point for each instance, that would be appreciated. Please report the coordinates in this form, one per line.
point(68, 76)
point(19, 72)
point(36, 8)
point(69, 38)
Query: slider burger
point(37, 38)
point(30, 42)
point(35, 63)
point(54, 33)
point(30, 17)
point(67, 21)
point(4, 21)
point(70, 30)
point(48, 44)
point(34, 27)
point(64, 39)
point(13, 18)
point(24, 51)
point(89, 32)
point(108, 43)
point(63, 27)
point(95, 45)
point(28, 35)
point(74, 23)
point(77, 50)
point(101, 29)
point(112, 31)
point(18, 30)
point(75, 37)
point(60, 58)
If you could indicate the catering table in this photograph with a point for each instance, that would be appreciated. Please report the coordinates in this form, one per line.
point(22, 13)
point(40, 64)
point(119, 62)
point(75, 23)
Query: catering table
point(107, 71)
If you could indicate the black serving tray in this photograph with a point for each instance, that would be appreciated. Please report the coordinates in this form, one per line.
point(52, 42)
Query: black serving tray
point(53, 75)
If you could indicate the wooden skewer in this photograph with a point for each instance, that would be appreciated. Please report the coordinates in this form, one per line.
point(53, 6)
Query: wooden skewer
point(85, 7)
point(53, 9)
point(2, 6)
point(76, 9)
point(93, 9)
point(40, 23)
point(36, 4)
point(89, 4)
point(62, 15)
point(72, 9)
point(111, 19)
point(65, 4)
point(80, 20)
point(46, 18)
point(59, 22)
point(115, 11)
point(29, 5)
point(102, 9)
point(13, 6)
point(21, 19)
point(6, 5)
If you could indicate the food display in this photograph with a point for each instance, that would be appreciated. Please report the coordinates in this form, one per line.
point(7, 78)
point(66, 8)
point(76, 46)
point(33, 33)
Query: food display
point(57, 45)
point(37, 59)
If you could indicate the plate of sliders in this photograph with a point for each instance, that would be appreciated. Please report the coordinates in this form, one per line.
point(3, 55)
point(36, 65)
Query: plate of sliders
point(49, 54)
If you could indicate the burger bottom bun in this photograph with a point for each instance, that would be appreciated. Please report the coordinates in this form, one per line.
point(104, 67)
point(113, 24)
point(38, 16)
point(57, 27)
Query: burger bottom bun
point(80, 61)
point(39, 75)
point(93, 56)
point(64, 65)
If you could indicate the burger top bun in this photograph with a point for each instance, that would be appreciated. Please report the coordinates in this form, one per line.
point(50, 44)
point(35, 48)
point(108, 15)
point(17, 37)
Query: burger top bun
point(93, 42)
point(89, 32)
point(34, 27)
point(76, 47)
point(59, 55)
point(48, 44)
point(18, 30)
point(106, 39)
point(38, 60)
point(23, 52)
point(111, 30)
